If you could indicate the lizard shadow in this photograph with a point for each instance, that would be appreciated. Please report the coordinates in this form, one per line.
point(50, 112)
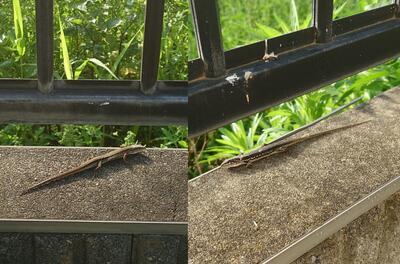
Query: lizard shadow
point(114, 166)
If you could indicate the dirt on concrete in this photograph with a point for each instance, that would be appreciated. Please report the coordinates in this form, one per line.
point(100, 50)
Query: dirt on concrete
point(249, 214)
point(148, 187)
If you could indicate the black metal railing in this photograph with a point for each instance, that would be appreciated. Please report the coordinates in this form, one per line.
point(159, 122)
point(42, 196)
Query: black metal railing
point(229, 85)
point(147, 101)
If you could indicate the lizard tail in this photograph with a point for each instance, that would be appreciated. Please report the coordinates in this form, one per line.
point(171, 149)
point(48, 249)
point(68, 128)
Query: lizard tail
point(27, 191)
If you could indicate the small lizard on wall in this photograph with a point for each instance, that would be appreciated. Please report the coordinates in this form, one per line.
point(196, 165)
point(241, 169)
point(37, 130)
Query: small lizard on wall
point(278, 147)
point(95, 162)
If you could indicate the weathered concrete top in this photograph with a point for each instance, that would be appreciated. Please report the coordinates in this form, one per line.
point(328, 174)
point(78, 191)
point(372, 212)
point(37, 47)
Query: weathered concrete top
point(150, 187)
point(247, 215)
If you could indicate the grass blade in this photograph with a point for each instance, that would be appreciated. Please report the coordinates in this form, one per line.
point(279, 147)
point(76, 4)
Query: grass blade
point(79, 69)
point(102, 65)
point(18, 28)
point(122, 53)
point(64, 49)
point(268, 32)
point(294, 18)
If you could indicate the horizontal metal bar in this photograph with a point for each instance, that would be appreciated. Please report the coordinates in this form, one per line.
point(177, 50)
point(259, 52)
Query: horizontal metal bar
point(255, 52)
point(312, 239)
point(85, 226)
point(93, 102)
point(151, 45)
point(44, 42)
point(347, 24)
point(254, 87)
point(208, 35)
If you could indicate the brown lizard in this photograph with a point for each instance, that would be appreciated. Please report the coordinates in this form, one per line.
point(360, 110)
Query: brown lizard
point(95, 162)
point(278, 147)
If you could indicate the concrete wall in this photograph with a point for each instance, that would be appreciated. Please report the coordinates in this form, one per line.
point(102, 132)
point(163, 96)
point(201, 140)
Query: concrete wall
point(373, 238)
point(92, 248)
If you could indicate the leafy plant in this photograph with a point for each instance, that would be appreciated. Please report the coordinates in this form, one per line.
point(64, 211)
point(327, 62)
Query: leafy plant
point(174, 137)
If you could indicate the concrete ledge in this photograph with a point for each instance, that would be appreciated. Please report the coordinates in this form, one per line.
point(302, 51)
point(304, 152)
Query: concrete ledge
point(149, 187)
point(247, 215)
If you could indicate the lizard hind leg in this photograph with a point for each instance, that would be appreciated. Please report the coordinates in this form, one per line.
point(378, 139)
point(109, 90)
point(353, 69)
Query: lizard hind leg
point(125, 157)
point(97, 168)
point(248, 164)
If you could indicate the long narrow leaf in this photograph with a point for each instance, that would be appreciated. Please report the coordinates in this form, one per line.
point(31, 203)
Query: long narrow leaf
point(122, 53)
point(19, 28)
point(267, 31)
point(79, 69)
point(64, 49)
point(337, 11)
point(282, 24)
point(294, 16)
point(102, 65)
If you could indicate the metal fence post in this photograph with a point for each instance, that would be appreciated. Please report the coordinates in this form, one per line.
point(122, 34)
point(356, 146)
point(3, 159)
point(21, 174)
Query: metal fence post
point(208, 35)
point(44, 44)
point(151, 45)
point(323, 13)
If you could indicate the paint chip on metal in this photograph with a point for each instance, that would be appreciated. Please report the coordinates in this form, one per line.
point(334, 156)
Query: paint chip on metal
point(232, 79)
point(248, 75)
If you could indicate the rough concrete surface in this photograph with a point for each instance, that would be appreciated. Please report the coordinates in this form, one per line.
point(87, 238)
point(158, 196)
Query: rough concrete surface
point(370, 239)
point(149, 187)
point(249, 214)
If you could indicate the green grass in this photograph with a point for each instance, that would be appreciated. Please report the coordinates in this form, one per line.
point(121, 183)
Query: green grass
point(242, 24)
point(93, 39)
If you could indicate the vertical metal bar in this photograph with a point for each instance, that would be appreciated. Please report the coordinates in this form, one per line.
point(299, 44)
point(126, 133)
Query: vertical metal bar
point(208, 35)
point(44, 44)
point(151, 45)
point(323, 13)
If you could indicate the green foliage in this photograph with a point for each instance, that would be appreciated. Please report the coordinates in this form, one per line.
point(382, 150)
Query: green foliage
point(92, 135)
point(86, 135)
point(174, 137)
point(13, 46)
point(105, 35)
point(357, 6)
point(20, 135)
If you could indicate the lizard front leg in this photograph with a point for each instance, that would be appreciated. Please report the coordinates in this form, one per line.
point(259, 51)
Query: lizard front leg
point(238, 164)
point(97, 168)
point(98, 165)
